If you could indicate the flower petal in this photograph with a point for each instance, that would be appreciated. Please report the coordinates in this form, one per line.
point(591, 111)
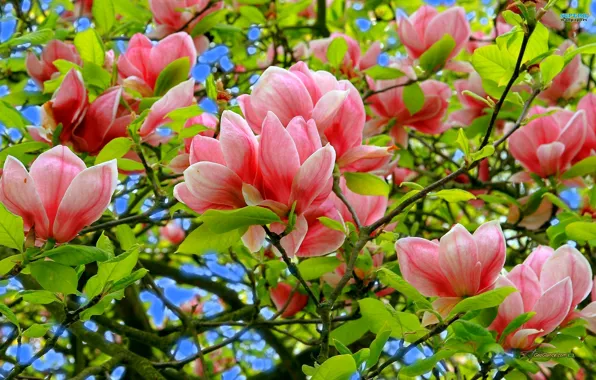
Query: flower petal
point(305, 136)
point(254, 238)
point(179, 96)
point(491, 251)
point(215, 183)
point(204, 148)
point(552, 307)
point(239, 146)
point(87, 197)
point(538, 257)
point(526, 281)
point(458, 259)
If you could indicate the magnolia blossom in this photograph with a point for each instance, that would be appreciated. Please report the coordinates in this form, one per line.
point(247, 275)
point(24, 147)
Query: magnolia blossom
point(172, 232)
point(88, 127)
point(287, 166)
point(43, 68)
point(589, 312)
point(353, 60)
point(588, 105)
point(364, 275)
point(179, 163)
point(569, 81)
point(81, 8)
point(335, 106)
point(59, 196)
point(387, 104)
point(427, 26)
point(472, 108)
point(280, 296)
point(140, 66)
point(172, 16)
point(550, 144)
point(549, 283)
point(459, 265)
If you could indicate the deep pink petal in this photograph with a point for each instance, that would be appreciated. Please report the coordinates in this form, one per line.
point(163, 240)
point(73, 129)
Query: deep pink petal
point(305, 136)
point(239, 146)
point(215, 183)
point(179, 96)
point(205, 148)
point(491, 251)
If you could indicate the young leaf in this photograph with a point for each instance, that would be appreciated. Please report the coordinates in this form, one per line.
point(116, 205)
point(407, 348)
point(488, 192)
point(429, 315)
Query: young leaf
point(340, 367)
point(336, 51)
point(366, 184)
point(315, 267)
point(455, 195)
point(176, 72)
point(12, 318)
point(582, 168)
point(516, 323)
point(220, 221)
point(37, 330)
point(202, 240)
point(73, 255)
point(391, 279)
point(104, 15)
point(483, 301)
point(383, 73)
point(55, 277)
point(582, 231)
point(90, 46)
point(376, 347)
point(413, 98)
point(436, 56)
point(11, 229)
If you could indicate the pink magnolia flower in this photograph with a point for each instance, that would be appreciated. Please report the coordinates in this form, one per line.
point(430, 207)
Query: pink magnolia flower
point(549, 145)
point(364, 275)
point(142, 63)
point(88, 127)
point(589, 312)
point(551, 284)
point(471, 107)
point(588, 105)
point(280, 296)
point(172, 16)
point(182, 161)
point(335, 106)
point(179, 96)
point(459, 265)
point(82, 8)
point(286, 166)
point(569, 81)
point(400, 175)
point(354, 60)
point(44, 69)
point(387, 104)
point(59, 196)
point(172, 232)
point(427, 26)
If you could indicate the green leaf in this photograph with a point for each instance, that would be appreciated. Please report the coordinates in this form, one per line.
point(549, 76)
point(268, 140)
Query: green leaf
point(582, 231)
point(436, 56)
point(104, 15)
point(7, 263)
point(551, 67)
point(116, 148)
point(90, 46)
point(22, 152)
point(74, 255)
point(350, 331)
point(38, 37)
point(556, 201)
point(403, 325)
point(211, 87)
point(336, 51)
point(12, 318)
point(37, 330)
point(391, 279)
point(420, 367)
point(55, 277)
point(512, 18)
point(192, 131)
point(340, 367)
point(383, 73)
point(253, 15)
point(202, 240)
point(516, 323)
point(366, 184)
point(125, 236)
point(493, 63)
point(129, 165)
point(208, 22)
point(586, 49)
point(463, 142)
point(111, 271)
point(10, 117)
point(582, 168)
point(175, 72)
point(11, 229)
point(483, 301)
point(129, 280)
point(220, 221)
point(376, 347)
point(483, 153)
point(306, 369)
point(96, 77)
point(413, 98)
point(332, 224)
point(315, 267)
point(343, 350)
point(38, 297)
point(455, 195)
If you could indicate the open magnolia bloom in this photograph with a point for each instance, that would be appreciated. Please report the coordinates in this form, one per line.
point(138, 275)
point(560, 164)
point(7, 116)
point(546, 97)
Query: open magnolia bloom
point(335, 106)
point(43, 68)
point(459, 265)
point(282, 295)
point(551, 284)
point(287, 166)
point(59, 196)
